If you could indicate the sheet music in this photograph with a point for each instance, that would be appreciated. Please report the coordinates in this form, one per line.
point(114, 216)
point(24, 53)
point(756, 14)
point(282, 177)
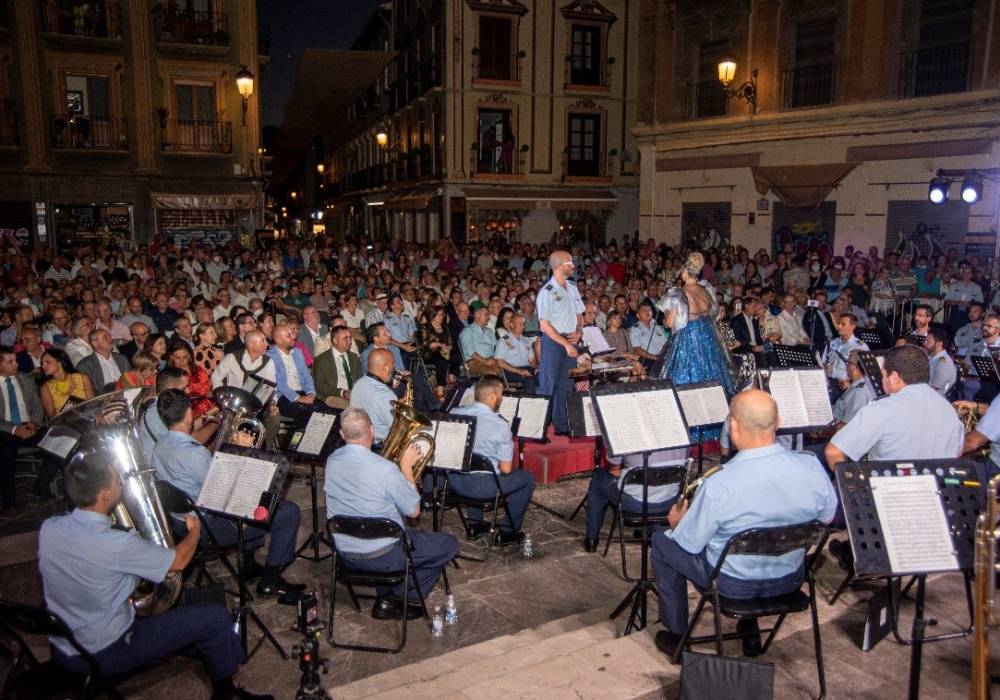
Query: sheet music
point(317, 432)
point(594, 340)
point(914, 526)
point(262, 391)
point(532, 412)
point(59, 441)
point(642, 422)
point(468, 397)
point(508, 408)
point(704, 406)
point(450, 438)
point(786, 391)
point(815, 396)
point(591, 426)
point(235, 483)
point(223, 473)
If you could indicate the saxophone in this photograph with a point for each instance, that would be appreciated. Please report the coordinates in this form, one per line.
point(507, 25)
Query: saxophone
point(985, 610)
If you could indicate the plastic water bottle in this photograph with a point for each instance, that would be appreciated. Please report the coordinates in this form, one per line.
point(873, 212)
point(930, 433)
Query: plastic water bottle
point(450, 610)
point(527, 547)
point(437, 624)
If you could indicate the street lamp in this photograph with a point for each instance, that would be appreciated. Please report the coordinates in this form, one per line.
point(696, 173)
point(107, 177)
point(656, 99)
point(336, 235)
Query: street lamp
point(381, 138)
point(747, 91)
point(244, 83)
point(320, 168)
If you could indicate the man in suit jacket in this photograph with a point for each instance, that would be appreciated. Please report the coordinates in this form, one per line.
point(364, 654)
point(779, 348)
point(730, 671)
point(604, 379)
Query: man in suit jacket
point(30, 358)
point(335, 370)
point(103, 367)
point(746, 328)
point(140, 331)
point(22, 424)
point(313, 333)
point(818, 324)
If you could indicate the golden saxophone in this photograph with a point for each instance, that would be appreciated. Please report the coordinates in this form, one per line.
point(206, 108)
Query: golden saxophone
point(692, 481)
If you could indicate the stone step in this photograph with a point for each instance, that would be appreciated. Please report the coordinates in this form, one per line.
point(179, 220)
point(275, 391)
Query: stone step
point(574, 656)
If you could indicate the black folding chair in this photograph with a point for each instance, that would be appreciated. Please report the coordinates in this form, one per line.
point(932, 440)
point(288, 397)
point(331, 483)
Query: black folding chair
point(370, 529)
point(658, 476)
point(29, 678)
point(765, 541)
point(478, 464)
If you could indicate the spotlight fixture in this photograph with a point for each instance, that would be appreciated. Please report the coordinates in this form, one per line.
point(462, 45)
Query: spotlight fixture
point(938, 191)
point(972, 188)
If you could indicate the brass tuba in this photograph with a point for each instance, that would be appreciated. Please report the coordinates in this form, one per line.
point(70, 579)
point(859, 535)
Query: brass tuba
point(238, 410)
point(109, 424)
point(408, 426)
point(985, 610)
point(970, 420)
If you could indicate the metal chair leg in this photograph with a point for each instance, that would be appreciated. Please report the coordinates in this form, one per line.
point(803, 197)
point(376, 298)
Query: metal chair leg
point(611, 533)
point(716, 618)
point(690, 627)
point(817, 639)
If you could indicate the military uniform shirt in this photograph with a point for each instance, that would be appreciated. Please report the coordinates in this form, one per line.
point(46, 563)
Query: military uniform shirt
point(376, 399)
point(89, 571)
point(493, 437)
point(151, 429)
point(943, 372)
point(649, 338)
point(989, 427)
point(857, 396)
point(400, 328)
point(964, 292)
point(477, 339)
point(183, 461)
point(839, 352)
point(914, 423)
point(559, 305)
point(965, 337)
point(515, 351)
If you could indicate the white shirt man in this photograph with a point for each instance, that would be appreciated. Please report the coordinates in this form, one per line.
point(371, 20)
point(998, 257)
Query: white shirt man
point(790, 324)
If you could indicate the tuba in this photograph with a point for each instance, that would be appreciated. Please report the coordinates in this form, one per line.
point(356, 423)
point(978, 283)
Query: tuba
point(985, 609)
point(408, 426)
point(238, 410)
point(109, 423)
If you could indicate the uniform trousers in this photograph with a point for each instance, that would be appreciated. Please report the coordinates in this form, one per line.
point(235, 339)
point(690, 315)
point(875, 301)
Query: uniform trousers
point(554, 380)
point(528, 384)
point(432, 551)
point(518, 485)
point(202, 630)
point(284, 528)
point(603, 491)
point(673, 567)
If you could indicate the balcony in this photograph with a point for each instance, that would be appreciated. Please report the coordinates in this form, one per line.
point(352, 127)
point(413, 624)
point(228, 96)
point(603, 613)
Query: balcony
point(579, 76)
point(84, 132)
point(705, 99)
point(935, 71)
point(196, 136)
point(587, 163)
point(195, 27)
point(496, 67)
point(9, 135)
point(809, 86)
point(499, 160)
point(90, 18)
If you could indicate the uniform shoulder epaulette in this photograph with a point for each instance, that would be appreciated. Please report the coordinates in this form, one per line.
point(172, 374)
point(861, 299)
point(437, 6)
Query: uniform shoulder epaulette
point(548, 286)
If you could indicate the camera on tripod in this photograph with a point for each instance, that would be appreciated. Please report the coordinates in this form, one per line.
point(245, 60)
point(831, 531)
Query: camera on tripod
point(307, 652)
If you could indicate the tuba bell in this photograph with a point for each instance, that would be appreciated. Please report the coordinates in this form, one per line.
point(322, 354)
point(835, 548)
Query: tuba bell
point(238, 410)
point(408, 426)
point(109, 424)
point(984, 604)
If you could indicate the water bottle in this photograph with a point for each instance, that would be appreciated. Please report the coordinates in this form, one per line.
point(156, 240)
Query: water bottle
point(437, 625)
point(450, 610)
point(527, 547)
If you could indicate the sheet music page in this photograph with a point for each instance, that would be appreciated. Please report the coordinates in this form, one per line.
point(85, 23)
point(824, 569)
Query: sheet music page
point(532, 412)
point(468, 398)
point(591, 426)
point(662, 415)
point(914, 526)
point(317, 431)
point(594, 340)
point(787, 393)
point(508, 408)
point(704, 406)
point(622, 432)
point(254, 479)
point(59, 441)
point(815, 396)
point(263, 392)
point(223, 473)
point(449, 444)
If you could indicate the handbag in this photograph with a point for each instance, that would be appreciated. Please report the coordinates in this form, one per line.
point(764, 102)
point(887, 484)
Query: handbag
point(734, 678)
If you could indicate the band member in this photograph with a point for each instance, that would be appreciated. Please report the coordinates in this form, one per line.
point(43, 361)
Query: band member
point(987, 431)
point(560, 317)
point(764, 485)
point(373, 393)
point(515, 354)
point(495, 442)
point(184, 462)
point(972, 388)
point(647, 337)
point(944, 374)
point(295, 386)
point(841, 348)
point(337, 369)
point(89, 570)
point(360, 483)
point(971, 331)
point(856, 396)
point(151, 428)
point(922, 315)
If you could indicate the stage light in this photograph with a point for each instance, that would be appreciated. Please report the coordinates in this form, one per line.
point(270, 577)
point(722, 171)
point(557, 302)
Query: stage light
point(972, 189)
point(938, 192)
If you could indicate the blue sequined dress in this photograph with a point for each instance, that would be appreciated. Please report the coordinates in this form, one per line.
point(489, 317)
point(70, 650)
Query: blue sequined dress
point(695, 352)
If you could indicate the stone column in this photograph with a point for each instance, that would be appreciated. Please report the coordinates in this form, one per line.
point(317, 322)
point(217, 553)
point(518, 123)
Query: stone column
point(25, 15)
point(145, 119)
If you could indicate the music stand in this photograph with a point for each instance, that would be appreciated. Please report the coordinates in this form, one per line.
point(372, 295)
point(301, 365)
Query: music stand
point(802, 398)
point(528, 428)
point(320, 437)
point(705, 407)
point(961, 499)
point(437, 467)
point(870, 368)
point(626, 405)
point(456, 397)
point(582, 422)
point(794, 356)
point(871, 337)
point(986, 369)
point(234, 475)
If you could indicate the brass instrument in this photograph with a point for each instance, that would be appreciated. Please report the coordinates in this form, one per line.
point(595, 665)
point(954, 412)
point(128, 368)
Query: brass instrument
point(238, 410)
point(692, 482)
point(408, 427)
point(970, 420)
point(109, 424)
point(985, 609)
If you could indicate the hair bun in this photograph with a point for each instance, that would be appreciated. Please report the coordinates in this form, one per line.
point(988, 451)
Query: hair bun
point(694, 263)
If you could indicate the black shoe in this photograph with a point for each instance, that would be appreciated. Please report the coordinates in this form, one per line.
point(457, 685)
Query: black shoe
point(280, 587)
point(590, 543)
point(561, 433)
point(667, 641)
point(841, 551)
point(751, 644)
point(502, 538)
point(476, 530)
point(388, 609)
point(252, 571)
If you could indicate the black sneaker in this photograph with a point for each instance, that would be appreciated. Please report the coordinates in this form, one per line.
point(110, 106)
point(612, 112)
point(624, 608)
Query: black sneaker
point(280, 587)
point(504, 538)
point(667, 641)
point(388, 609)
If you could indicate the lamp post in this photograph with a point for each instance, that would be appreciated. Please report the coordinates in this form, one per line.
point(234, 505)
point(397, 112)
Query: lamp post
point(244, 83)
point(747, 91)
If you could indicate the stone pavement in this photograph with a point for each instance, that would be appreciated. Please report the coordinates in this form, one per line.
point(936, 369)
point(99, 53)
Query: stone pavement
point(534, 628)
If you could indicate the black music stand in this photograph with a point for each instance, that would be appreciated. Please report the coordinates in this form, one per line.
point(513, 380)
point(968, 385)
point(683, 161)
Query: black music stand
point(315, 443)
point(962, 500)
point(521, 438)
point(794, 356)
point(436, 469)
point(269, 499)
point(869, 366)
point(454, 397)
point(813, 423)
point(712, 422)
point(871, 337)
point(986, 369)
point(637, 597)
point(578, 424)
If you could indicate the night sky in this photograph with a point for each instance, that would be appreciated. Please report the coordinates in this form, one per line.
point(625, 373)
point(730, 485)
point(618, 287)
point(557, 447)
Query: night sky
point(304, 24)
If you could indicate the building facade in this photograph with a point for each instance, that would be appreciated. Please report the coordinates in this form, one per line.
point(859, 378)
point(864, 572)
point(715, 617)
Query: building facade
point(858, 104)
point(497, 115)
point(122, 119)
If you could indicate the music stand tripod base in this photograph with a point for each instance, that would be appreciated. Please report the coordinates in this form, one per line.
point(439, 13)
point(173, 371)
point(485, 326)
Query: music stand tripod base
point(317, 537)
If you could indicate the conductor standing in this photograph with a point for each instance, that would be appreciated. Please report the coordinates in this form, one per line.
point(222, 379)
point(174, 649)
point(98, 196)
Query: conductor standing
point(560, 317)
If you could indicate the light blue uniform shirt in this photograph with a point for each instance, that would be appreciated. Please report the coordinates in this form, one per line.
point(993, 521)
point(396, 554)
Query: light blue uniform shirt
point(943, 372)
point(761, 487)
point(151, 430)
point(858, 395)
point(559, 305)
point(966, 337)
point(361, 484)
point(650, 338)
point(515, 351)
point(493, 437)
point(376, 399)
point(839, 352)
point(397, 359)
point(400, 328)
point(989, 426)
point(660, 458)
point(183, 461)
point(89, 570)
point(478, 339)
point(964, 292)
point(914, 423)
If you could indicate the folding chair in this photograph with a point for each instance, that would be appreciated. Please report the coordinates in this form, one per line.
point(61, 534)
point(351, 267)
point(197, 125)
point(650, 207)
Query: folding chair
point(773, 542)
point(370, 529)
point(658, 476)
point(480, 465)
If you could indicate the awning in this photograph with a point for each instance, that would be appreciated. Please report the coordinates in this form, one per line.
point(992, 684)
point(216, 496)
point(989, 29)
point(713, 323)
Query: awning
point(800, 186)
point(411, 201)
point(200, 201)
point(530, 198)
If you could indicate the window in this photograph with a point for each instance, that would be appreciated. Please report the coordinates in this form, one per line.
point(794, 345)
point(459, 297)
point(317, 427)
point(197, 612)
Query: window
point(84, 119)
point(707, 97)
point(495, 152)
point(196, 103)
point(583, 156)
point(585, 55)
point(811, 81)
point(941, 62)
point(496, 54)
